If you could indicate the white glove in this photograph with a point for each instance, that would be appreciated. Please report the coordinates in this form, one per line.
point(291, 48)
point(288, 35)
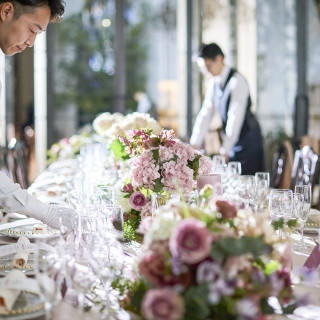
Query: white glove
point(15, 199)
point(68, 218)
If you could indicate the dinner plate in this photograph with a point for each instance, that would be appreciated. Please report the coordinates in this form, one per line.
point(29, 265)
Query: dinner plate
point(28, 305)
point(17, 232)
point(5, 265)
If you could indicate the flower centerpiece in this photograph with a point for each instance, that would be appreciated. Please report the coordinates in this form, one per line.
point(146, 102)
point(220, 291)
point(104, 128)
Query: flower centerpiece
point(204, 264)
point(158, 165)
point(67, 148)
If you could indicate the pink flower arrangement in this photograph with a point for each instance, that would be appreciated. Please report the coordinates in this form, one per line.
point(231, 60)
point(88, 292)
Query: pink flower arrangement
point(199, 264)
point(160, 163)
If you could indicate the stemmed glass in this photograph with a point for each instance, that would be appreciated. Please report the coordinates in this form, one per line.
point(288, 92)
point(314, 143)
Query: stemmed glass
point(263, 183)
point(281, 204)
point(302, 214)
point(247, 189)
point(49, 273)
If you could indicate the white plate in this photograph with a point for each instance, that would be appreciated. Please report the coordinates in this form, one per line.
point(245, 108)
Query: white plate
point(17, 232)
point(28, 306)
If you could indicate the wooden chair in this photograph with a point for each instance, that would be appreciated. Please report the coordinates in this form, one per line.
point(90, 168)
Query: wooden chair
point(20, 158)
point(305, 167)
point(4, 162)
point(280, 177)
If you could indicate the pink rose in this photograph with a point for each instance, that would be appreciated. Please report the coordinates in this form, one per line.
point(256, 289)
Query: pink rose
point(153, 269)
point(137, 200)
point(162, 304)
point(190, 241)
point(227, 209)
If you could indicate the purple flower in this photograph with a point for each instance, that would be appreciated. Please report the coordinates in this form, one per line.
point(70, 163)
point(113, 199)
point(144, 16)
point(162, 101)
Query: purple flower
point(218, 289)
point(137, 200)
point(208, 271)
point(190, 241)
point(128, 188)
point(227, 209)
point(162, 304)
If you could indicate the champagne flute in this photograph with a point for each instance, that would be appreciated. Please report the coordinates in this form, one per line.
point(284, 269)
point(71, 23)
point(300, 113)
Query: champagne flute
point(302, 214)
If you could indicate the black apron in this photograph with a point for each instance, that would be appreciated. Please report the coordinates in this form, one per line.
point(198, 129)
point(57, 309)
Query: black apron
point(249, 148)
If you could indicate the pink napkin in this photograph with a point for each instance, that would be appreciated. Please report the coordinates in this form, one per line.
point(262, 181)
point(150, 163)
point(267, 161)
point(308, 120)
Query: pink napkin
point(313, 260)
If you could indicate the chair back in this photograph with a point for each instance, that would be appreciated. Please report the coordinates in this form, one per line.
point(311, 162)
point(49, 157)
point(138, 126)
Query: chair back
point(20, 159)
point(4, 162)
point(305, 167)
point(280, 177)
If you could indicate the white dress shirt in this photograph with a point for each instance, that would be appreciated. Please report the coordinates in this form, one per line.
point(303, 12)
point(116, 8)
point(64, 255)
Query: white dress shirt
point(239, 93)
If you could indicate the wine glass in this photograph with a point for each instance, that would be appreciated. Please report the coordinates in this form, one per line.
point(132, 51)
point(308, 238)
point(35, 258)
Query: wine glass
point(261, 193)
point(281, 205)
point(49, 273)
point(247, 189)
point(302, 214)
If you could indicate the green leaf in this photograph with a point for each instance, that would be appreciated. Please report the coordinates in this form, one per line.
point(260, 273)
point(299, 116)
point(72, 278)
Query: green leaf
point(237, 247)
point(278, 224)
point(119, 150)
point(194, 165)
point(266, 308)
point(158, 186)
point(289, 308)
point(155, 153)
point(271, 267)
point(196, 304)
point(292, 223)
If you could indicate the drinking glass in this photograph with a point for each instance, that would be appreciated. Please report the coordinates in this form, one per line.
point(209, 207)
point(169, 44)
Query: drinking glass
point(302, 214)
point(113, 216)
point(218, 164)
point(263, 176)
point(234, 167)
point(280, 203)
point(49, 273)
point(261, 193)
point(246, 189)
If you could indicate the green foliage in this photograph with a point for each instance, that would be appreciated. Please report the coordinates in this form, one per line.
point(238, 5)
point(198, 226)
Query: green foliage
point(194, 165)
point(196, 303)
point(93, 91)
point(119, 150)
point(237, 247)
point(131, 225)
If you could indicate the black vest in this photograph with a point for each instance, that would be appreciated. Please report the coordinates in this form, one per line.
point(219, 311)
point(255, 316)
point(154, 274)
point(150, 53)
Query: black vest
point(222, 101)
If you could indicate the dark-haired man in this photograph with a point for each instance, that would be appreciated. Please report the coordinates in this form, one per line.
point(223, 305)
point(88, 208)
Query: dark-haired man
point(20, 23)
point(228, 94)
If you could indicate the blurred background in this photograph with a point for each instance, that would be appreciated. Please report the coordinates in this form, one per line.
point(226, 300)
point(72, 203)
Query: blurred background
point(128, 55)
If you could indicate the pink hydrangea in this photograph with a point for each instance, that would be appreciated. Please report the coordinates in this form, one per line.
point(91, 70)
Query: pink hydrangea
point(144, 170)
point(146, 210)
point(162, 304)
point(137, 200)
point(184, 151)
point(190, 241)
point(205, 165)
point(177, 173)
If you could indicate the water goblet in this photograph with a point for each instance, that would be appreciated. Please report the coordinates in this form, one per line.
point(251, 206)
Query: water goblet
point(302, 214)
point(246, 189)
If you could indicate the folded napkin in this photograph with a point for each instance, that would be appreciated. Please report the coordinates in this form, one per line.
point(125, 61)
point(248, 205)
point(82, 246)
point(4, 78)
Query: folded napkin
point(20, 259)
point(9, 296)
point(39, 228)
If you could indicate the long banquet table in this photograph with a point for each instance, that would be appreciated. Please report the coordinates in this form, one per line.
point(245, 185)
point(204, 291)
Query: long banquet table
point(49, 187)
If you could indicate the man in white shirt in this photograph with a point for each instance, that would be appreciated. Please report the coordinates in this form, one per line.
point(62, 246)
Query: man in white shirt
point(228, 94)
point(20, 23)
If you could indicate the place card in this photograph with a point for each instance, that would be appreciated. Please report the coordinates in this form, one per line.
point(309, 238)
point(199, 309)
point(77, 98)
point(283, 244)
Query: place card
point(313, 260)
